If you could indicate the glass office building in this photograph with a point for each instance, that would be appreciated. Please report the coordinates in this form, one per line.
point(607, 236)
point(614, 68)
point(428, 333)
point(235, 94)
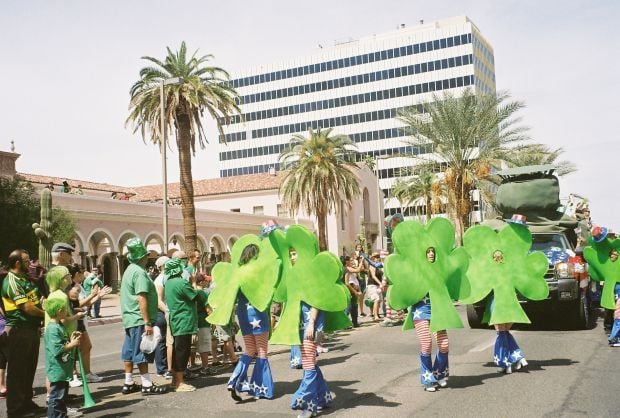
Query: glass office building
point(356, 88)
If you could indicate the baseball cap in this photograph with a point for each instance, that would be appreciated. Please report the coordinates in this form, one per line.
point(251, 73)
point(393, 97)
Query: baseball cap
point(62, 247)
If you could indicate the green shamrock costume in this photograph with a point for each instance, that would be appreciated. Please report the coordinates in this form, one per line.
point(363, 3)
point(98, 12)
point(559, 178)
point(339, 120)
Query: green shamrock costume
point(519, 269)
point(256, 279)
point(412, 276)
point(314, 279)
point(602, 268)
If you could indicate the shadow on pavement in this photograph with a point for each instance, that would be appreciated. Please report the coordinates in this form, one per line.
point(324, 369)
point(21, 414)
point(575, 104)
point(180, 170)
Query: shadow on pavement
point(345, 398)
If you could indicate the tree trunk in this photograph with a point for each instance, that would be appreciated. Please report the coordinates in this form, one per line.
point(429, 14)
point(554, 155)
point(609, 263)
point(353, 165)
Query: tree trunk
point(186, 183)
point(322, 224)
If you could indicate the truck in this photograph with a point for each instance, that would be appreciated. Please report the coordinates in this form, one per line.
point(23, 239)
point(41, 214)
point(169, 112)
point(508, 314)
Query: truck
point(534, 192)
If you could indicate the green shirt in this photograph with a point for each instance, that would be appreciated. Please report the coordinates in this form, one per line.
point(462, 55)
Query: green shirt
point(135, 281)
point(91, 281)
point(58, 362)
point(17, 290)
point(180, 299)
point(201, 306)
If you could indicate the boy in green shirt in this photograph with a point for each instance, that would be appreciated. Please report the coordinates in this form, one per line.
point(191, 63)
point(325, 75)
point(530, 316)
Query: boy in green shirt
point(58, 358)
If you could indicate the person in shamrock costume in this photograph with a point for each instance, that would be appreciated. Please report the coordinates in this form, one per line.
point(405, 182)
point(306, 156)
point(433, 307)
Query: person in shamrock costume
point(249, 281)
point(500, 263)
point(314, 301)
point(427, 273)
point(602, 257)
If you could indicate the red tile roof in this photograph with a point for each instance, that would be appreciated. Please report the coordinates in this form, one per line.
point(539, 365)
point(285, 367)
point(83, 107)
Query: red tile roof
point(217, 186)
point(86, 185)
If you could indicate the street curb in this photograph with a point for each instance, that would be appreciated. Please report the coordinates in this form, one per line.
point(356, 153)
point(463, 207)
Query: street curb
point(104, 321)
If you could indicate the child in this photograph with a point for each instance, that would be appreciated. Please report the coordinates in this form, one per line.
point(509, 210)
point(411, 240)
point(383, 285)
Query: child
point(59, 359)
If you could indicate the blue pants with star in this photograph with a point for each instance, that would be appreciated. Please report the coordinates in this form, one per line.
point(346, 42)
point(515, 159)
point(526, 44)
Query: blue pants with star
point(295, 357)
point(261, 382)
point(313, 392)
point(507, 351)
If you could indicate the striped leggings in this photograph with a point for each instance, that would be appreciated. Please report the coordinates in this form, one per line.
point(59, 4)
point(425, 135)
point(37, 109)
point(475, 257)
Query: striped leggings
point(308, 354)
point(256, 345)
point(426, 340)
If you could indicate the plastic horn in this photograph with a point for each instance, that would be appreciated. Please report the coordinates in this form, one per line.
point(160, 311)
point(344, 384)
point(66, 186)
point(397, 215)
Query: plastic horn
point(88, 398)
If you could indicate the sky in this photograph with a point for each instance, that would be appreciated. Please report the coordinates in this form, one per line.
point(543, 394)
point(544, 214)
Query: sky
point(67, 67)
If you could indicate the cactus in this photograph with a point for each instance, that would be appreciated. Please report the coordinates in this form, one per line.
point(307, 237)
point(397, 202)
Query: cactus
point(43, 231)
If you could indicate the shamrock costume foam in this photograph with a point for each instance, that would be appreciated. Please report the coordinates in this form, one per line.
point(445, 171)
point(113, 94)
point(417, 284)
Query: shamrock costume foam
point(500, 263)
point(257, 279)
point(412, 276)
point(603, 269)
point(313, 279)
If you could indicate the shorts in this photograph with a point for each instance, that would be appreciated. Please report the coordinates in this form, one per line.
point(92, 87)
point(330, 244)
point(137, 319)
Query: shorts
point(222, 332)
point(131, 347)
point(203, 340)
point(181, 351)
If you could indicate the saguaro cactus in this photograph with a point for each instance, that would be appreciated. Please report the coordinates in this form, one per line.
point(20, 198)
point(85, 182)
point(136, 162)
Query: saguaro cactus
point(43, 231)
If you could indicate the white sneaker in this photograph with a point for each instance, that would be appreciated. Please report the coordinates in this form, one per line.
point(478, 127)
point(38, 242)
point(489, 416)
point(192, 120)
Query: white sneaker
point(508, 369)
point(73, 412)
point(93, 378)
point(430, 389)
point(442, 382)
point(75, 383)
point(305, 414)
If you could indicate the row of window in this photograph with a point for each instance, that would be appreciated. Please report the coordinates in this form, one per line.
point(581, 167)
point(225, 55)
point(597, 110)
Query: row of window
point(342, 82)
point(240, 171)
point(483, 49)
point(402, 51)
point(367, 116)
point(356, 137)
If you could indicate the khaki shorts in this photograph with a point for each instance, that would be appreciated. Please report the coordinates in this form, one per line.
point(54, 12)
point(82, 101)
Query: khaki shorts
point(203, 340)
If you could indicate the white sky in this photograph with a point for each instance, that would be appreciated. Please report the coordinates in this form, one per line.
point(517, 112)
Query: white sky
point(67, 67)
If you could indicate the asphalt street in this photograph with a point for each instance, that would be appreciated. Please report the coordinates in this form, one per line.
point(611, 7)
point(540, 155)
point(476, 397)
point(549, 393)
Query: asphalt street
point(373, 371)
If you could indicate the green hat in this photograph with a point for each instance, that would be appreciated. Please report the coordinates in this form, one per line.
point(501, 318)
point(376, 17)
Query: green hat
point(174, 267)
point(136, 250)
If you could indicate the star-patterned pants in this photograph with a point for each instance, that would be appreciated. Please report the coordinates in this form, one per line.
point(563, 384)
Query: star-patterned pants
point(614, 335)
point(313, 392)
point(507, 351)
point(261, 383)
point(430, 373)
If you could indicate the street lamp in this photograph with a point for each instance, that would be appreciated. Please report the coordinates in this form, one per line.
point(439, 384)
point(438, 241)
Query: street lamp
point(164, 171)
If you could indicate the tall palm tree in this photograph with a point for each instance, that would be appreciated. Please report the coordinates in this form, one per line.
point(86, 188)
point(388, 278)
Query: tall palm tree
point(400, 191)
point(320, 175)
point(204, 88)
point(467, 133)
point(539, 154)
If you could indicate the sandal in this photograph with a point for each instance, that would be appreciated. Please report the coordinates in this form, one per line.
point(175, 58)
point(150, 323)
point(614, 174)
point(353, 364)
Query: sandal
point(127, 389)
point(234, 394)
point(154, 390)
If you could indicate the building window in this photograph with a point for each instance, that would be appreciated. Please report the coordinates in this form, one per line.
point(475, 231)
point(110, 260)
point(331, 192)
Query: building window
point(258, 210)
point(282, 211)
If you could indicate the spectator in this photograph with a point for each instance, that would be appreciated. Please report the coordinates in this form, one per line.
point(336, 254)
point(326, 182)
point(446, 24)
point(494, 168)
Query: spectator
point(59, 359)
point(78, 190)
point(204, 338)
point(50, 186)
point(62, 254)
point(23, 319)
point(373, 289)
point(352, 282)
point(65, 187)
point(358, 261)
point(3, 342)
point(92, 281)
point(139, 315)
point(79, 300)
point(163, 352)
point(180, 296)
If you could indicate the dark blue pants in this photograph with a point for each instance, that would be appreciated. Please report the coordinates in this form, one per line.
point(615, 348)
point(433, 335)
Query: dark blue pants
point(56, 406)
point(161, 360)
point(97, 308)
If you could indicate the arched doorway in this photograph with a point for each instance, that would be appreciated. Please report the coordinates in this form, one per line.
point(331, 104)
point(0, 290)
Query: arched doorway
point(216, 249)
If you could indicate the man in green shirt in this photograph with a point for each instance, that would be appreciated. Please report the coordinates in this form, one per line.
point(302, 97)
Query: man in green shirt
point(94, 279)
point(180, 296)
point(138, 313)
point(23, 320)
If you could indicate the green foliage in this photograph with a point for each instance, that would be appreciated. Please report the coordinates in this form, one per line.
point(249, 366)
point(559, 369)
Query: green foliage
point(517, 269)
point(63, 226)
point(257, 279)
point(320, 174)
point(413, 276)
point(469, 133)
point(20, 209)
point(315, 278)
point(539, 154)
point(602, 268)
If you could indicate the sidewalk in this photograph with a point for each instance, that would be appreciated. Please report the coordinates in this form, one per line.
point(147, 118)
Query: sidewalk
point(110, 311)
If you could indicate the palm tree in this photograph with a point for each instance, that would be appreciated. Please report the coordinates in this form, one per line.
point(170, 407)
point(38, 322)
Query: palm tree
point(400, 191)
point(204, 88)
point(467, 134)
point(422, 187)
point(539, 154)
point(320, 176)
